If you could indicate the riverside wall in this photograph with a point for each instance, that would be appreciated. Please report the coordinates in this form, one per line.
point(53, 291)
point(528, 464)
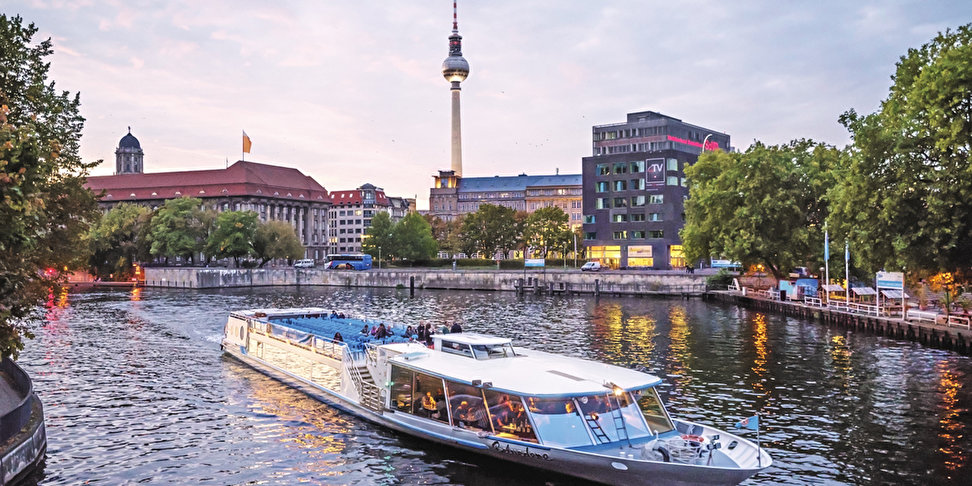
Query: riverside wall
point(551, 281)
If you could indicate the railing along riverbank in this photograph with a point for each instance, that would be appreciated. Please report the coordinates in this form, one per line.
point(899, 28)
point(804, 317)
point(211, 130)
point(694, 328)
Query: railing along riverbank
point(551, 281)
point(954, 334)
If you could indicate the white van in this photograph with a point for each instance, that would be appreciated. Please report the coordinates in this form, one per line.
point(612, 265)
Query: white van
point(305, 263)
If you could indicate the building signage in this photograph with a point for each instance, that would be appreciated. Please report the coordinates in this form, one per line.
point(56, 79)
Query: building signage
point(724, 264)
point(533, 262)
point(655, 172)
point(890, 280)
point(708, 145)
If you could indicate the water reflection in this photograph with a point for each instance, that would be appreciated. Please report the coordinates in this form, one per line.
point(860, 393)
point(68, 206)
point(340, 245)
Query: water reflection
point(759, 362)
point(951, 429)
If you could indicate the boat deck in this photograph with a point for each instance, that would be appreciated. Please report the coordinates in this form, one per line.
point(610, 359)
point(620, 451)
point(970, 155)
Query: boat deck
point(350, 328)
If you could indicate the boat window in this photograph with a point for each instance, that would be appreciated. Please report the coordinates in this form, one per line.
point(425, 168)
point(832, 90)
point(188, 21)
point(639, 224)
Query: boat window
point(558, 422)
point(466, 403)
point(653, 410)
point(598, 412)
point(401, 389)
point(428, 398)
point(492, 351)
point(509, 417)
point(461, 349)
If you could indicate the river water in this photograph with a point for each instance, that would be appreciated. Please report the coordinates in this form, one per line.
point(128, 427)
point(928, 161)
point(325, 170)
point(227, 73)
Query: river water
point(136, 390)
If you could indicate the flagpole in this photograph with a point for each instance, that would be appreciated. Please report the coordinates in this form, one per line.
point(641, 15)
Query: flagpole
point(847, 271)
point(759, 447)
point(243, 153)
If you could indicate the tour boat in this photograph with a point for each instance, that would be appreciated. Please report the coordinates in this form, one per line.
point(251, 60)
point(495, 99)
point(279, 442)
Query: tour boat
point(481, 393)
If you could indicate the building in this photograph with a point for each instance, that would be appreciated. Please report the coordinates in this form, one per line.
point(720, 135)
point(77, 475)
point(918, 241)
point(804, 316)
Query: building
point(351, 213)
point(634, 189)
point(273, 192)
point(453, 195)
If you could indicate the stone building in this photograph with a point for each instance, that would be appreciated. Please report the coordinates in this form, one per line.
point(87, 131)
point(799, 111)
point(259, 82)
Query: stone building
point(454, 195)
point(351, 213)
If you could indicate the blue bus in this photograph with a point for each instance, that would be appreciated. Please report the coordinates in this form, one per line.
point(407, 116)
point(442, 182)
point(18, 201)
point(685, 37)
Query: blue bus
point(345, 261)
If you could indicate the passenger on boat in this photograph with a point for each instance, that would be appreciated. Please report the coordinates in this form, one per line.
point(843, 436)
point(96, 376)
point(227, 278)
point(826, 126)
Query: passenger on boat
point(364, 330)
point(382, 332)
point(428, 404)
point(374, 331)
point(409, 332)
point(333, 315)
point(421, 331)
point(338, 338)
point(428, 335)
point(456, 327)
point(341, 316)
point(462, 413)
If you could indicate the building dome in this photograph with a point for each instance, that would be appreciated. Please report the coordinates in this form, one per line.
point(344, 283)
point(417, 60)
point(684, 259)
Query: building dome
point(455, 69)
point(129, 141)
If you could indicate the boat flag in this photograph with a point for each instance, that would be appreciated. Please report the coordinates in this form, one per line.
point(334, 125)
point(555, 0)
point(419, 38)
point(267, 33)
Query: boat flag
point(751, 423)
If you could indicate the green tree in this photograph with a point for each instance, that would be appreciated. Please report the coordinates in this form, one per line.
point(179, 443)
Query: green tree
point(766, 205)
point(547, 228)
point(490, 229)
point(44, 207)
point(175, 229)
point(905, 201)
point(115, 240)
point(413, 240)
point(379, 235)
point(233, 237)
point(448, 234)
point(276, 239)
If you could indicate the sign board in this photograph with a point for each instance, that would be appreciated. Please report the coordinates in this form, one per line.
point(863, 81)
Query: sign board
point(724, 264)
point(890, 280)
point(533, 262)
point(655, 172)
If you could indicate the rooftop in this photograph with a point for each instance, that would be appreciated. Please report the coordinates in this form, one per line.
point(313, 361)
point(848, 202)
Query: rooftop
point(517, 183)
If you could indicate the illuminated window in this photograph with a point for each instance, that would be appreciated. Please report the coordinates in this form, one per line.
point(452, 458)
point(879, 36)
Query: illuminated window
point(676, 256)
point(640, 256)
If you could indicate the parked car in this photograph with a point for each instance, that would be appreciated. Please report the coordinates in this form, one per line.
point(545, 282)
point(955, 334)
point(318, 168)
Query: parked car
point(305, 263)
point(591, 267)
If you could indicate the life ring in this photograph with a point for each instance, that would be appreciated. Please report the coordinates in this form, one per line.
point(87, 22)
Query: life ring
point(693, 438)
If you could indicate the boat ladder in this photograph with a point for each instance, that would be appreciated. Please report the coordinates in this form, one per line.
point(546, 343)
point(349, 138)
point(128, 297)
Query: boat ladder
point(369, 394)
point(622, 431)
point(599, 433)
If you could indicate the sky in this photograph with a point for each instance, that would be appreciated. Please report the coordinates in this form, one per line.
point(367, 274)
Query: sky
point(352, 92)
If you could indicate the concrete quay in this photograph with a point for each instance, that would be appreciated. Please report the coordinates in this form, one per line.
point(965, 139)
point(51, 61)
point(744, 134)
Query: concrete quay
point(928, 333)
point(530, 281)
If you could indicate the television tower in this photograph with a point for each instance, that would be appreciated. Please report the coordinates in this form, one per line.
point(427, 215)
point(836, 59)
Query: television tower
point(455, 69)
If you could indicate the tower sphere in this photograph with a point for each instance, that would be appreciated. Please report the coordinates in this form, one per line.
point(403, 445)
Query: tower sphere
point(455, 69)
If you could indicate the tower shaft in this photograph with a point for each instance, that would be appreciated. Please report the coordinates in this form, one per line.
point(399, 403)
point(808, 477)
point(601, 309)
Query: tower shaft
point(456, 131)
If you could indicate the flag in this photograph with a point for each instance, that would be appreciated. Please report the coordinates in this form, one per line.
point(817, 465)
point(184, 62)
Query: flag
point(751, 423)
point(826, 247)
point(246, 143)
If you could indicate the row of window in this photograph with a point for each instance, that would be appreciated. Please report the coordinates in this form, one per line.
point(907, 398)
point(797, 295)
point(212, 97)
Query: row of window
point(628, 235)
point(633, 147)
point(351, 212)
point(636, 166)
point(634, 218)
point(342, 231)
point(466, 196)
point(622, 202)
point(554, 192)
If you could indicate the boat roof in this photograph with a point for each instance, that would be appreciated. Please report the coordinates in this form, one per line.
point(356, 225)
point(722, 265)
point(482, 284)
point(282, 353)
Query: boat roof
point(531, 372)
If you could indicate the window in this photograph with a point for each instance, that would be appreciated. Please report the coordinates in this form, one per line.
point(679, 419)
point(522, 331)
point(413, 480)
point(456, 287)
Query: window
point(620, 218)
point(640, 256)
point(558, 422)
point(401, 388)
point(672, 181)
point(637, 184)
point(620, 235)
point(466, 404)
point(620, 185)
point(656, 199)
point(620, 168)
point(676, 256)
point(602, 203)
point(508, 416)
point(589, 219)
point(636, 217)
point(620, 202)
point(637, 235)
point(653, 411)
point(637, 201)
point(672, 164)
point(654, 217)
point(603, 169)
point(601, 186)
point(590, 235)
point(637, 166)
point(656, 234)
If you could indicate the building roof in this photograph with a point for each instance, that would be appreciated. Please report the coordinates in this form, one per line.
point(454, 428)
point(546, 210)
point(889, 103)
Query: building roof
point(240, 179)
point(517, 183)
point(129, 141)
point(353, 197)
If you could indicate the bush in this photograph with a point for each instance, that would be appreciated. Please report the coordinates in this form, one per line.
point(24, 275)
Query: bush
point(719, 280)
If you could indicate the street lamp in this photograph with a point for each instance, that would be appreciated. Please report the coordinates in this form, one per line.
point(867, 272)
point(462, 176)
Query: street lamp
point(379, 258)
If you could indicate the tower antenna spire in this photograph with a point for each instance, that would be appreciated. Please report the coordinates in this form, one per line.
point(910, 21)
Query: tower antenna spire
point(455, 17)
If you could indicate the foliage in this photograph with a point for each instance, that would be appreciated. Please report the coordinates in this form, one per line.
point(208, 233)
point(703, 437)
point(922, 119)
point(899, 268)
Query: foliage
point(905, 200)
point(234, 234)
point(176, 230)
point(547, 228)
point(489, 230)
point(720, 280)
point(765, 205)
point(44, 207)
point(276, 239)
point(379, 235)
point(412, 238)
point(115, 240)
point(448, 234)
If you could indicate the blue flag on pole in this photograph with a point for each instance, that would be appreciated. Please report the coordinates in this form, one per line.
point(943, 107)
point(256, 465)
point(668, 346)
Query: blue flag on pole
point(751, 423)
point(826, 246)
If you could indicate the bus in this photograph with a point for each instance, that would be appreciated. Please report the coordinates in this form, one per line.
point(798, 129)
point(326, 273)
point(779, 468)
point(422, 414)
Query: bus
point(345, 261)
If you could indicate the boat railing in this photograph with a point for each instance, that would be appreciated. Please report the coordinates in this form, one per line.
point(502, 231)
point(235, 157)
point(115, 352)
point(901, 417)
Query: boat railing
point(371, 355)
point(369, 394)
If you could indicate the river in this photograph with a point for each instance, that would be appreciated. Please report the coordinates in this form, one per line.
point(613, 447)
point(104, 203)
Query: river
point(136, 390)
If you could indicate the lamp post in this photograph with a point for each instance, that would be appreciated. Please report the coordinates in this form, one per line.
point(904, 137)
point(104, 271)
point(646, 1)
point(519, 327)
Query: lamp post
point(379, 258)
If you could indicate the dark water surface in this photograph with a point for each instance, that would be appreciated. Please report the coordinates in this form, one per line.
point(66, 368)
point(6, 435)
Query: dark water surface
point(136, 390)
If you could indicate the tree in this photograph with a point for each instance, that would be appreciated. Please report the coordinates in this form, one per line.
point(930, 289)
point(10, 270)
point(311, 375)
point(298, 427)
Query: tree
point(905, 201)
point(175, 230)
point(379, 235)
point(234, 234)
point(115, 240)
point(276, 239)
point(448, 234)
point(547, 228)
point(490, 229)
point(413, 240)
point(765, 205)
point(44, 206)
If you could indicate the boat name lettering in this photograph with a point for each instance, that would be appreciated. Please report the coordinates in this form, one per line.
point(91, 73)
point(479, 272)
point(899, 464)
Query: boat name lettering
point(496, 446)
